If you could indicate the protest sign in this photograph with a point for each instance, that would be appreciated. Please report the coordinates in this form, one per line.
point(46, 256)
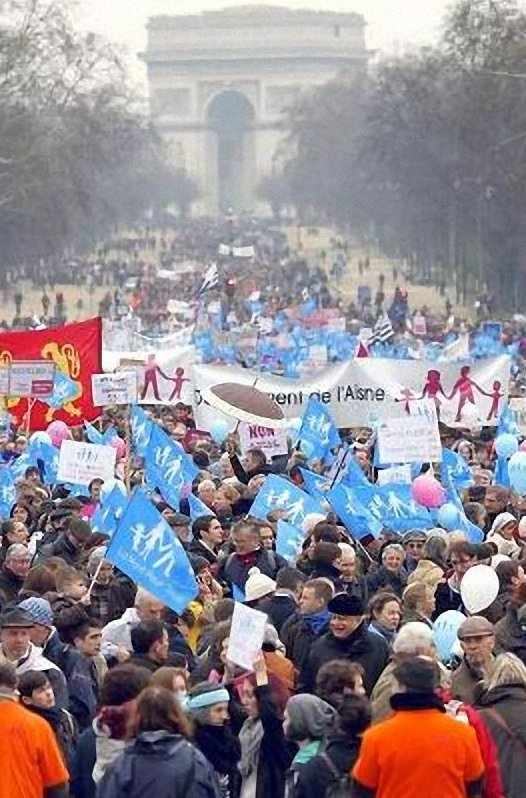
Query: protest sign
point(412, 438)
point(79, 463)
point(518, 404)
point(246, 636)
point(119, 388)
point(162, 379)
point(398, 474)
point(31, 378)
point(271, 441)
point(419, 324)
point(353, 389)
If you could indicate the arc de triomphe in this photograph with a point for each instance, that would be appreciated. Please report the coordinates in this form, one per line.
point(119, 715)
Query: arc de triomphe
point(220, 81)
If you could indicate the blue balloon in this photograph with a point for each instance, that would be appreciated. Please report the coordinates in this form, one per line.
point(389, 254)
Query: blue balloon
point(448, 516)
point(506, 445)
point(517, 472)
point(219, 430)
point(445, 631)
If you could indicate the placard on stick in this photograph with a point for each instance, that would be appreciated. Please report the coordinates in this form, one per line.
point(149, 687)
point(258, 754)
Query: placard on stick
point(246, 635)
point(79, 463)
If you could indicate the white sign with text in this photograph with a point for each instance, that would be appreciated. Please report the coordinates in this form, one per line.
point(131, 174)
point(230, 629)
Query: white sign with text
point(79, 463)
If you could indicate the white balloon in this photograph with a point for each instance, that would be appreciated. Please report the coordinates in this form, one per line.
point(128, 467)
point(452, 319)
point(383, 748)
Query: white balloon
point(479, 588)
point(498, 558)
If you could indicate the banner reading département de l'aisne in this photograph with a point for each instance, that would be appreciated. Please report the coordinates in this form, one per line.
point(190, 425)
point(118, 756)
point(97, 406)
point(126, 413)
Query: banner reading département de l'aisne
point(361, 390)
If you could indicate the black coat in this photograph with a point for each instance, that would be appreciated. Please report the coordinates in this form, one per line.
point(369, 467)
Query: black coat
point(10, 585)
point(368, 649)
point(382, 579)
point(279, 609)
point(298, 638)
point(503, 707)
point(61, 547)
point(160, 764)
point(358, 588)
point(84, 758)
point(195, 547)
point(509, 635)
point(221, 748)
point(446, 599)
point(314, 777)
point(235, 572)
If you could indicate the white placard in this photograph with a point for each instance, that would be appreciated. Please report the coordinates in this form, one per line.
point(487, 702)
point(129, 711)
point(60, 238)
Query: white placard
point(119, 388)
point(398, 474)
point(271, 441)
point(411, 439)
point(518, 404)
point(31, 378)
point(79, 463)
point(246, 636)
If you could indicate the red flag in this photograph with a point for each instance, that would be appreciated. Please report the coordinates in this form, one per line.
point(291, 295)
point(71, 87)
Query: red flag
point(76, 349)
point(362, 350)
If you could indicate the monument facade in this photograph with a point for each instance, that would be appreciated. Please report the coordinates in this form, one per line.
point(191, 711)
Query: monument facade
point(221, 81)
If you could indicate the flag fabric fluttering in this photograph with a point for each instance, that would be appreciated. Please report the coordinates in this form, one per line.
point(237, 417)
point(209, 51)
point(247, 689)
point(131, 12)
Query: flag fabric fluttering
point(277, 493)
point(318, 433)
point(289, 540)
point(7, 491)
point(106, 517)
point(455, 467)
point(141, 430)
point(167, 466)
point(355, 517)
point(146, 549)
point(210, 279)
point(382, 331)
point(198, 509)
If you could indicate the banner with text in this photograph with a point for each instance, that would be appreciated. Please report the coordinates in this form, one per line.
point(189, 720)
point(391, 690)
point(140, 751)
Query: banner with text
point(362, 391)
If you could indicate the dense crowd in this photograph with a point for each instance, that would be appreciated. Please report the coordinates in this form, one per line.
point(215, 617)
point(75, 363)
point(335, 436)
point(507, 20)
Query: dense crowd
point(117, 694)
point(106, 692)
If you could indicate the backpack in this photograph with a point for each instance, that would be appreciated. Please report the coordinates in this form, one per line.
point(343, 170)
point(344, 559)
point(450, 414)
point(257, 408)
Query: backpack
point(341, 786)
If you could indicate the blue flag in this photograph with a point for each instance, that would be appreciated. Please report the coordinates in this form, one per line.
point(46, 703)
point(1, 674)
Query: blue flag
point(168, 468)
point(47, 456)
point(314, 484)
point(352, 473)
point(141, 430)
point(508, 421)
point(277, 493)
point(198, 509)
point(7, 491)
point(394, 507)
point(318, 433)
point(473, 533)
point(26, 460)
point(92, 433)
point(289, 540)
point(146, 549)
point(355, 517)
point(108, 514)
point(454, 466)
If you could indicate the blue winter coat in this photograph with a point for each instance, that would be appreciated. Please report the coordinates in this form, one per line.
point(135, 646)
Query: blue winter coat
point(162, 765)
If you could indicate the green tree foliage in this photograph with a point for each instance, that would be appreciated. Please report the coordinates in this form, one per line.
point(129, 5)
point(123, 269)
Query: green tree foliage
point(77, 155)
point(429, 152)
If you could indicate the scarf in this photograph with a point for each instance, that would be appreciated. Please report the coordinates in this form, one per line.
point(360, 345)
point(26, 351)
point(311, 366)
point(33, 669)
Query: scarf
point(405, 701)
point(115, 721)
point(307, 752)
point(250, 738)
point(219, 745)
point(248, 560)
point(316, 621)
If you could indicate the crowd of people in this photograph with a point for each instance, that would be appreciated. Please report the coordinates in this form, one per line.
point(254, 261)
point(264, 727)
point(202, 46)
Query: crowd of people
point(106, 692)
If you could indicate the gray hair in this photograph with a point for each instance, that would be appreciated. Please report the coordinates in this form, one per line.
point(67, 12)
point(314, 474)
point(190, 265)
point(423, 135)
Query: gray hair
point(95, 559)
point(435, 548)
point(16, 550)
point(393, 547)
point(508, 670)
point(143, 596)
point(414, 638)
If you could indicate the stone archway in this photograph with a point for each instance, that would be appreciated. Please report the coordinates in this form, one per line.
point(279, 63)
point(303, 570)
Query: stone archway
point(231, 154)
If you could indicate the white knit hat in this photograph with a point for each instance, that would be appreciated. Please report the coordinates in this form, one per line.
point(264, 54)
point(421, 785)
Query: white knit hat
point(258, 585)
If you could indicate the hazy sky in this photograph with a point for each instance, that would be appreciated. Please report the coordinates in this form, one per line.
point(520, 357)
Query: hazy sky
point(390, 23)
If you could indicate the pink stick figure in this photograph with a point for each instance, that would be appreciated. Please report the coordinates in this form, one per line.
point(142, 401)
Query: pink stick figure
point(178, 382)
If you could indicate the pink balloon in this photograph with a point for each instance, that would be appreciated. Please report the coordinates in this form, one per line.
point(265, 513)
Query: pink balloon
point(58, 431)
point(522, 447)
point(120, 447)
point(428, 491)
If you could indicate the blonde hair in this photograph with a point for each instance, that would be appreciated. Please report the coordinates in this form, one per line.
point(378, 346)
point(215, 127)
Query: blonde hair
point(508, 670)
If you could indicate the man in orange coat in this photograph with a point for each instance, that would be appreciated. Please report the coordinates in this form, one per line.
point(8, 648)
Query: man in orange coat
point(420, 750)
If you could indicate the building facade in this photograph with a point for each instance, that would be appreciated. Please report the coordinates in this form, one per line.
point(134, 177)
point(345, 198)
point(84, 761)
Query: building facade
point(221, 81)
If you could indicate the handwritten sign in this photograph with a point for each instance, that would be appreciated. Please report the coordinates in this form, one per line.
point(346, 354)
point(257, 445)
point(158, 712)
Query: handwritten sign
point(31, 378)
point(271, 441)
point(246, 635)
point(114, 389)
point(398, 474)
point(411, 439)
point(79, 463)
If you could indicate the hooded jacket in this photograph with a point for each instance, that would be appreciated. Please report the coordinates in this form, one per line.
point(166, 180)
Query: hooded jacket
point(161, 764)
point(34, 660)
point(504, 711)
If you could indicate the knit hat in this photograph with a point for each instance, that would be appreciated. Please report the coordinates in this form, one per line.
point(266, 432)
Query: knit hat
point(309, 717)
point(346, 604)
point(258, 585)
point(38, 609)
point(501, 520)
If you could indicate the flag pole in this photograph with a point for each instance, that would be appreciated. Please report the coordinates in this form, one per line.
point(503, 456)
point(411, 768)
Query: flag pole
point(127, 440)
